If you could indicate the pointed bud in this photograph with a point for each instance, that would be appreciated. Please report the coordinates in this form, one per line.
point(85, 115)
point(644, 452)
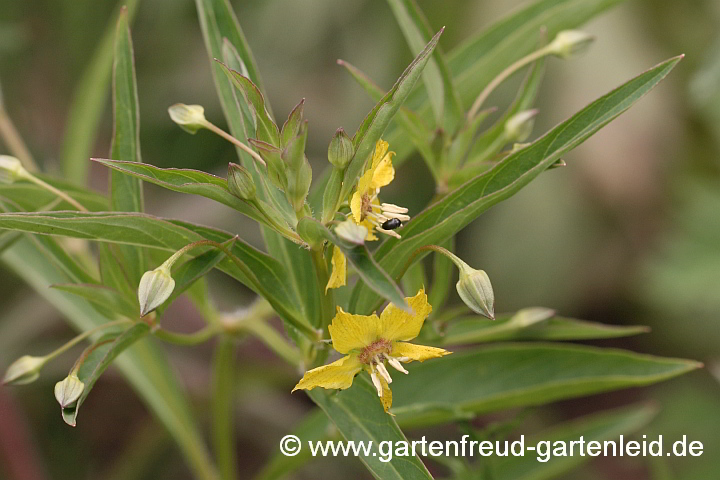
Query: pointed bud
point(476, 291)
point(519, 127)
point(11, 169)
point(156, 286)
point(351, 232)
point(240, 182)
point(190, 118)
point(69, 390)
point(25, 369)
point(569, 43)
point(341, 150)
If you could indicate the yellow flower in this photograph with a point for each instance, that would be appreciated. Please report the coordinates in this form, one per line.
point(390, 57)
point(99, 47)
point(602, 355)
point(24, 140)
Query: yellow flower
point(367, 211)
point(337, 278)
point(368, 342)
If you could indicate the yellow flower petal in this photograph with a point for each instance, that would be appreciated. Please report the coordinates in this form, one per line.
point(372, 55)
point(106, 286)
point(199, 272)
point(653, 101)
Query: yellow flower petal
point(338, 374)
point(356, 206)
point(381, 148)
point(386, 398)
point(351, 332)
point(398, 324)
point(384, 173)
point(338, 275)
point(370, 237)
point(417, 352)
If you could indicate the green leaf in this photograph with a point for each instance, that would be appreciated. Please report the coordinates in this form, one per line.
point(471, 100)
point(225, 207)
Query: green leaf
point(99, 360)
point(192, 182)
point(481, 58)
point(599, 427)
point(379, 118)
point(444, 100)
point(446, 217)
point(88, 104)
point(260, 272)
point(516, 375)
point(359, 257)
point(265, 128)
point(359, 415)
point(144, 365)
point(126, 194)
point(108, 301)
point(478, 329)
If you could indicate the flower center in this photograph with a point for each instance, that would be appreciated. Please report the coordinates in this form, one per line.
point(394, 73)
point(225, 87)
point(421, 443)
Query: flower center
point(375, 349)
point(366, 206)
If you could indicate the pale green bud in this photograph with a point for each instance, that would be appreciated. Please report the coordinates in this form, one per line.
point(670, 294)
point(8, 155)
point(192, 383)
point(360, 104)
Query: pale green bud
point(240, 182)
point(569, 43)
point(476, 291)
point(351, 232)
point(156, 286)
point(519, 127)
point(190, 118)
point(25, 369)
point(341, 150)
point(68, 390)
point(11, 169)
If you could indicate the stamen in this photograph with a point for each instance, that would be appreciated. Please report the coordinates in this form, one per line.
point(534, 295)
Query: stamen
point(376, 216)
point(389, 207)
point(403, 359)
point(376, 382)
point(399, 216)
point(392, 233)
point(383, 372)
point(395, 364)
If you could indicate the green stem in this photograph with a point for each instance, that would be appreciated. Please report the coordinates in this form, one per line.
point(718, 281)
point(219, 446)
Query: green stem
point(270, 337)
point(477, 105)
point(221, 408)
point(326, 296)
point(29, 176)
point(188, 339)
point(235, 141)
point(82, 337)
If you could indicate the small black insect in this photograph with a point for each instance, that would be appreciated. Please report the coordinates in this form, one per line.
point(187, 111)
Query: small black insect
point(391, 224)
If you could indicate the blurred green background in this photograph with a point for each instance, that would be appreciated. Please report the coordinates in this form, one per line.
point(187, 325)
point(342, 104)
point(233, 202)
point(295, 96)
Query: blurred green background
point(628, 233)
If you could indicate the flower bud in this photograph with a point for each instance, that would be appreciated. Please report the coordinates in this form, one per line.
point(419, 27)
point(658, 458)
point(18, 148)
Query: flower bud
point(68, 390)
point(476, 291)
point(25, 369)
point(240, 182)
point(156, 286)
point(341, 150)
point(351, 232)
point(11, 169)
point(519, 127)
point(569, 43)
point(190, 118)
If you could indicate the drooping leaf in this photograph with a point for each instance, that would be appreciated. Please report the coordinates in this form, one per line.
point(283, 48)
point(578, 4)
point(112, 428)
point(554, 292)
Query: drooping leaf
point(445, 218)
point(359, 416)
point(514, 375)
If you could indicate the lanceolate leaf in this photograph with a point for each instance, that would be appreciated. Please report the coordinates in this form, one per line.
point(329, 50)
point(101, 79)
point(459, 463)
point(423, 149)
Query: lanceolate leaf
point(369, 271)
point(95, 365)
point(515, 375)
point(378, 119)
point(456, 210)
point(126, 193)
point(110, 302)
point(360, 417)
point(30, 197)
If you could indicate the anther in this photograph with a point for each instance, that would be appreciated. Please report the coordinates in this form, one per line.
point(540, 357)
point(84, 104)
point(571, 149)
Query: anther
point(395, 364)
